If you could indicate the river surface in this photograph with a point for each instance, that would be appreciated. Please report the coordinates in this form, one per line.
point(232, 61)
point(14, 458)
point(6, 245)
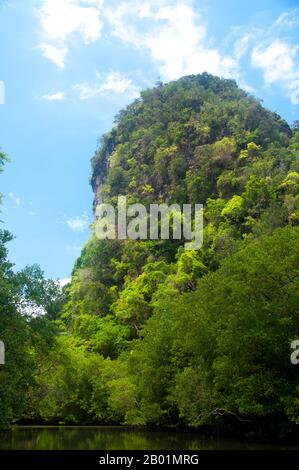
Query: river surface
point(116, 438)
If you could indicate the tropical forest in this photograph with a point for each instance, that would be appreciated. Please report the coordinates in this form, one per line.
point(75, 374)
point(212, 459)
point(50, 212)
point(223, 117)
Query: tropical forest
point(148, 334)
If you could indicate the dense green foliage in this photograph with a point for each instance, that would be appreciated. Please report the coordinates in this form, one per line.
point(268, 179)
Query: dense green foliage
point(149, 334)
point(26, 334)
point(28, 303)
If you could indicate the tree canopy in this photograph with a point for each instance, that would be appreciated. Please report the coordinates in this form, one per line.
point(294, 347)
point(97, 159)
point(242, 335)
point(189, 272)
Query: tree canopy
point(147, 333)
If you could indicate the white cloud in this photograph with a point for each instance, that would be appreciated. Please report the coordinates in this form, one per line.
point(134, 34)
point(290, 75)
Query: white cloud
point(294, 86)
point(86, 91)
point(115, 82)
point(60, 19)
point(79, 223)
point(63, 282)
point(287, 19)
point(176, 38)
point(274, 50)
point(120, 17)
point(242, 45)
point(59, 96)
point(179, 45)
point(16, 199)
point(56, 54)
point(278, 61)
point(246, 87)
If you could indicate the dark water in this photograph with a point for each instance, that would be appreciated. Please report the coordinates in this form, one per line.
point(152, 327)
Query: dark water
point(115, 438)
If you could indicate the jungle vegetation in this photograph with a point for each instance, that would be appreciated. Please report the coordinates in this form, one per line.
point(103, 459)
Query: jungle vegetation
point(147, 333)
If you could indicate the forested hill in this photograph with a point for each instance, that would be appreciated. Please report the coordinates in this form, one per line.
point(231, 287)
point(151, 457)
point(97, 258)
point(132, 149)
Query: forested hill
point(188, 336)
point(163, 145)
point(151, 334)
point(200, 139)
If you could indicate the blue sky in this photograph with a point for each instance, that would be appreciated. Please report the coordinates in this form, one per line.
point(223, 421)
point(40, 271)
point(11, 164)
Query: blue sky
point(68, 66)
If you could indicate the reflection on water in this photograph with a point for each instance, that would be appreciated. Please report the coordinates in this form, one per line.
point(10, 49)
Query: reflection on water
point(114, 438)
